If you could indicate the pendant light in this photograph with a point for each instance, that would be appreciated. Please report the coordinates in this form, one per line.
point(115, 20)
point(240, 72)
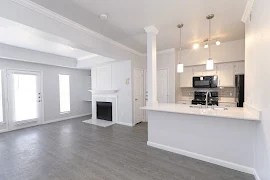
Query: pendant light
point(180, 66)
point(210, 61)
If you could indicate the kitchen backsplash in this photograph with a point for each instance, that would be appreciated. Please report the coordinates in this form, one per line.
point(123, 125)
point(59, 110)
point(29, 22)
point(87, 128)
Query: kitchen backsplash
point(224, 92)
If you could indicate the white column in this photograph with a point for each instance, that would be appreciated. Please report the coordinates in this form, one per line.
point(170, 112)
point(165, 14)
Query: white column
point(152, 32)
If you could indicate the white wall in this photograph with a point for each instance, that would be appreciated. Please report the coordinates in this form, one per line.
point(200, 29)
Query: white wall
point(51, 88)
point(114, 76)
point(226, 52)
point(167, 60)
point(257, 83)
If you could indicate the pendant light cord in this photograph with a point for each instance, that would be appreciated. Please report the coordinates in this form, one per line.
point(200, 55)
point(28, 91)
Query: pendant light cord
point(209, 40)
point(180, 54)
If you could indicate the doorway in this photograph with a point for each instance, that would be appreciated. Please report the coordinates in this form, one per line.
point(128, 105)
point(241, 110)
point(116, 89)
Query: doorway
point(24, 96)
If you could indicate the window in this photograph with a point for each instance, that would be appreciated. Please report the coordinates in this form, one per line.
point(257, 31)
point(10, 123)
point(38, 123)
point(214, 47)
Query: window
point(64, 89)
point(1, 100)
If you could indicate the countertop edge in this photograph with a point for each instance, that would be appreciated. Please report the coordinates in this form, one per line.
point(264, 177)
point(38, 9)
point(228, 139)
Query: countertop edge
point(219, 116)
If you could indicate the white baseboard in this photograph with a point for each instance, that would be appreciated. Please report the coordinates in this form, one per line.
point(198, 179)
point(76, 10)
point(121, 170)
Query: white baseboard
point(125, 124)
point(65, 118)
point(219, 162)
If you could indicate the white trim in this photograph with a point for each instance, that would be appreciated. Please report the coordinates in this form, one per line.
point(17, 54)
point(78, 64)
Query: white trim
point(50, 14)
point(87, 57)
point(212, 160)
point(125, 124)
point(247, 11)
point(65, 118)
point(254, 111)
point(257, 177)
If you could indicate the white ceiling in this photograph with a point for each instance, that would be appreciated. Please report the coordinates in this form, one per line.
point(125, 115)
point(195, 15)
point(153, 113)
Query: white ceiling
point(127, 18)
point(18, 35)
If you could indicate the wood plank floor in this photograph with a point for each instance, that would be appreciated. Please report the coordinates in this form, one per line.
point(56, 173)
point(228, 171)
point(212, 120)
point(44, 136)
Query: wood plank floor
point(72, 150)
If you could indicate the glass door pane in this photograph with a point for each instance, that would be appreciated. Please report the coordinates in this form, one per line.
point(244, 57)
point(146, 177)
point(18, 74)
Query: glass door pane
point(25, 97)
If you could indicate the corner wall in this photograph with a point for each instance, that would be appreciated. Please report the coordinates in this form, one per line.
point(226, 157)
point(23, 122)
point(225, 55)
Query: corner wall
point(257, 83)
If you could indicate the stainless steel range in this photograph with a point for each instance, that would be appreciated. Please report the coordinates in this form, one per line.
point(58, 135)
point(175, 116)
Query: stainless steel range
point(200, 98)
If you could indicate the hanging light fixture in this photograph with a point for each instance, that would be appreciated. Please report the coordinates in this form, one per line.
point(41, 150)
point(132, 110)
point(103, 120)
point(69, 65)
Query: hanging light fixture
point(180, 66)
point(210, 61)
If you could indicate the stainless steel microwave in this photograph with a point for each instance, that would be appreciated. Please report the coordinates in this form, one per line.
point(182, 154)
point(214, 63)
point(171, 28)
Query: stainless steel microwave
point(205, 82)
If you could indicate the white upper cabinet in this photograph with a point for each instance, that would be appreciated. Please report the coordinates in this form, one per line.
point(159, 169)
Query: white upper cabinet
point(198, 70)
point(225, 75)
point(239, 67)
point(186, 77)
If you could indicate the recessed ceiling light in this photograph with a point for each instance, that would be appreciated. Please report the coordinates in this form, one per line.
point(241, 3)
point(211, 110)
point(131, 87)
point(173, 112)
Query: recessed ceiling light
point(206, 46)
point(196, 46)
point(103, 17)
point(218, 43)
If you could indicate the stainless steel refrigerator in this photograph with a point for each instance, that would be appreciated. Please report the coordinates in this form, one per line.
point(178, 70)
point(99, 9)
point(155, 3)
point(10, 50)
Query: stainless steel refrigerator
point(240, 90)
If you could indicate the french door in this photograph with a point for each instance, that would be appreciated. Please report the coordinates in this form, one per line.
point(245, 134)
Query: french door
point(24, 98)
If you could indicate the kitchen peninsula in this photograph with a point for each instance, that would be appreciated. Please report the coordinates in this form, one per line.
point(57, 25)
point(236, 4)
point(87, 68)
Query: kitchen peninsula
point(220, 136)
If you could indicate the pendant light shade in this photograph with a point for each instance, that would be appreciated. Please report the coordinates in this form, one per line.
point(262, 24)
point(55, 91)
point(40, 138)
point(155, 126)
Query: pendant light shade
point(180, 66)
point(210, 61)
point(210, 64)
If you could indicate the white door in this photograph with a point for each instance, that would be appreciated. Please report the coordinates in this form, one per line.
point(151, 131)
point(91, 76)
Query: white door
point(138, 95)
point(24, 98)
point(162, 86)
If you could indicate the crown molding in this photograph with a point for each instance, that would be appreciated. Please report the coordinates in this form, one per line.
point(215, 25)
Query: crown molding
point(48, 13)
point(247, 11)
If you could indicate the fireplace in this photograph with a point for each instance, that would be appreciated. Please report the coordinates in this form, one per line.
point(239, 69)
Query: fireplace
point(104, 111)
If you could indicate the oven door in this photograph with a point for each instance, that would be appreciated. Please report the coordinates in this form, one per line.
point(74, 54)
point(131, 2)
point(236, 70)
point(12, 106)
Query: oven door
point(202, 82)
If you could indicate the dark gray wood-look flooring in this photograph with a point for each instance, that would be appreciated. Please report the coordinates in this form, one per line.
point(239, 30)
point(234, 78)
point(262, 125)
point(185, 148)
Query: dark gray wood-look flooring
point(72, 150)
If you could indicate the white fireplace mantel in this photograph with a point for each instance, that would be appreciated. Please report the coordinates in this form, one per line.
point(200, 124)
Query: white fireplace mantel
point(104, 91)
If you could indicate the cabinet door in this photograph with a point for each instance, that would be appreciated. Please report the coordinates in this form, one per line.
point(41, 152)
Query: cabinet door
point(226, 75)
point(186, 77)
point(239, 68)
point(198, 71)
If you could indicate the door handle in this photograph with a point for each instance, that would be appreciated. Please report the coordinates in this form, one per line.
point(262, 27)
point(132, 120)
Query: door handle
point(136, 99)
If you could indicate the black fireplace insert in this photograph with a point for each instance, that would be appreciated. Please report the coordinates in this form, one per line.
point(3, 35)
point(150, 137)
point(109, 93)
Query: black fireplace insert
point(104, 111)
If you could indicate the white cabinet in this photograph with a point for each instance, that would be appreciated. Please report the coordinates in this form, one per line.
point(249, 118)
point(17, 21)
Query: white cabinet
point(198, 71)
point(186, 77)
point(225, 74)
point(239, 67)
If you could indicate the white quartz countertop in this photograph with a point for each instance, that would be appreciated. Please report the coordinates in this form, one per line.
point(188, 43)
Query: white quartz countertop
point(233, 113)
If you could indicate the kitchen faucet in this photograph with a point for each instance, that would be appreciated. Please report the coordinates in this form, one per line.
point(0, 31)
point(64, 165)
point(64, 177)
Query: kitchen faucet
point(206, 98)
